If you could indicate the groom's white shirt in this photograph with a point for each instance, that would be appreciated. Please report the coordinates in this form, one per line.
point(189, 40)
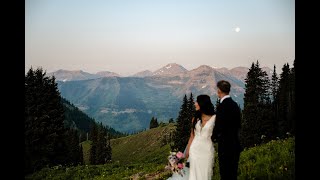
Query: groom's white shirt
point(224, 97)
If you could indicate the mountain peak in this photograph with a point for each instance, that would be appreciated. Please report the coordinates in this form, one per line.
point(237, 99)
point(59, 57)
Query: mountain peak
point(143, 74)
point(205, 67)
point(107, 74)
point(170, 69)
point(67, 75)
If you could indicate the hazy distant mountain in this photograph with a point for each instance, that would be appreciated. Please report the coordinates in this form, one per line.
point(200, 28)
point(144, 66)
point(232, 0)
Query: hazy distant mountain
point(128, 103)
point(65, 75)
point(171, 69)
point(107, 74)
point(143, 74)
point(241, 72)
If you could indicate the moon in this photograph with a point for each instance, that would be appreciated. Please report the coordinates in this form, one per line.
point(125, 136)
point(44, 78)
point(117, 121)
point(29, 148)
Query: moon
point(237, 29)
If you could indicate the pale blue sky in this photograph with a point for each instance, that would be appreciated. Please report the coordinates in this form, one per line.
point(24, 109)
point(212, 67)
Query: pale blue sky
point(127, 36)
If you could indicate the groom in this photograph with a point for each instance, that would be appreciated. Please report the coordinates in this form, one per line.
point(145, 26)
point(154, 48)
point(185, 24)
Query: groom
point(226, 132)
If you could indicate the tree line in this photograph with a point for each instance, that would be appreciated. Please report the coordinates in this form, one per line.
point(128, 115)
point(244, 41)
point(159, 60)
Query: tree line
point(54, 128)
point(269, 105)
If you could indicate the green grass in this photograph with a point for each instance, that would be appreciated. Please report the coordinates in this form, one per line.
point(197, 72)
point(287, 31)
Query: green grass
point(274, 160)
point(142, 156)
point(99, 172)
point(144, 147)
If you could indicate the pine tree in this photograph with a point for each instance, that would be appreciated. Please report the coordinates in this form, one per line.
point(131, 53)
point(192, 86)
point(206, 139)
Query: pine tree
point(191, 109)
point(94, 140)
point(179, 138)
point(171, 120)
point(292, 110)
point(108, 148)
point(275, 103)
point(152, 123)
point(156, 123)
point(257, 107)
point(274, 84)
point(44, 122)
point(101, 150)
point(72, 138)
point(284, 100)
point(81, 155)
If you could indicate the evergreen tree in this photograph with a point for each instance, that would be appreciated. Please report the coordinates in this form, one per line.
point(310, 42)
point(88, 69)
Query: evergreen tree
point(156, 124)
point(152, 123)
point(180, 140)
point(292, 110)
point(81, 155)
point(275, 103)
point(171, 120)
point(101, 150)
point(73, 146)
point(286, 100)
point(274, 84)
point(108, 148)
point(191, 109)
point(257, 119)
point(44, 117)
point(94, 140)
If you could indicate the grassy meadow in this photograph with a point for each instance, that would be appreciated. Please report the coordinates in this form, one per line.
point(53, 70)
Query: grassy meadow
point(144, 156)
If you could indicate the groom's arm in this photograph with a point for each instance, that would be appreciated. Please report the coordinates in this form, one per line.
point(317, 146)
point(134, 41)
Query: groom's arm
point(220, 124)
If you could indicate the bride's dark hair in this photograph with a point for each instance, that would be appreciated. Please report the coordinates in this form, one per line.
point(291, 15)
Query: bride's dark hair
point(206, 107)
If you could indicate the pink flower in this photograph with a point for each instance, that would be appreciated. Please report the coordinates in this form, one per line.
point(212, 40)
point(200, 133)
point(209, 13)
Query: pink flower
point(180, 155)
point(180, 166)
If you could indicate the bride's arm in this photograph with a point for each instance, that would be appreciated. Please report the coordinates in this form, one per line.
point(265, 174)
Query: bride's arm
point(190, 140)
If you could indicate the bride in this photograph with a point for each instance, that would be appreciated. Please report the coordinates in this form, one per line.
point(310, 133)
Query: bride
point(200, 150)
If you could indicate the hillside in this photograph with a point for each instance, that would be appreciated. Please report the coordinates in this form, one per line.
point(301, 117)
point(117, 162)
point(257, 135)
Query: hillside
point(76, 119)
point(146, 147)
point(142, 156)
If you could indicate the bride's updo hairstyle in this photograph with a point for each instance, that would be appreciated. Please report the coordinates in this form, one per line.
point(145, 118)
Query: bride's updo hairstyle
point(206, 107)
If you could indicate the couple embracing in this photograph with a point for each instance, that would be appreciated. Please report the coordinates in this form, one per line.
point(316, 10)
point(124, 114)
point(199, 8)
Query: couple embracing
point(222, 127)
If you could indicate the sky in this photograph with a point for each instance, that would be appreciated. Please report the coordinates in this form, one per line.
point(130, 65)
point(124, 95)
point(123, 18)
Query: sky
point(128, 36)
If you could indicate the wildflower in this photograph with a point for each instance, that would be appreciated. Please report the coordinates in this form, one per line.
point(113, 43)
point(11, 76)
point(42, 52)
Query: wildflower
point(288, 134)
point(176, 162)
point(179, 155)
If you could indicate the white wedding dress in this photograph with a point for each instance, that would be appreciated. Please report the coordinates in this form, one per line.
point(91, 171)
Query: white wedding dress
point(201, 154)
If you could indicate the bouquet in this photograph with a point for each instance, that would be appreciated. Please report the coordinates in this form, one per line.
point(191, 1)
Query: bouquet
point(177, 162)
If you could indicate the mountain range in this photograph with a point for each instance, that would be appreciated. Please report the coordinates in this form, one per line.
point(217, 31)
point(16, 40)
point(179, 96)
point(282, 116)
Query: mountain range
point(127, 104)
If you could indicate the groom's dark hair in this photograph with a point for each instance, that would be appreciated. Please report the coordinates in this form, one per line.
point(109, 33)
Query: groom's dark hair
point(224, 86)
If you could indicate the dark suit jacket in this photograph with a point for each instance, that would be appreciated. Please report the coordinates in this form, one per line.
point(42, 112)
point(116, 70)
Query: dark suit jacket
point(227, 125)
